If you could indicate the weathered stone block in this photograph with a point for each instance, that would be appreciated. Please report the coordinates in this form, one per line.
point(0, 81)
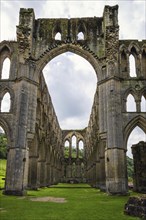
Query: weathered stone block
point(136, 206)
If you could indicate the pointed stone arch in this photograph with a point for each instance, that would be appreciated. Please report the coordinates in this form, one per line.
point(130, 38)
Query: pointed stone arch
point(77, 49)
point(5, 53)
point(139, 121)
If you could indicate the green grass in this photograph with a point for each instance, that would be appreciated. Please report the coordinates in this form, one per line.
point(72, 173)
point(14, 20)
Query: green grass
point(2, 172)
point(83, 203)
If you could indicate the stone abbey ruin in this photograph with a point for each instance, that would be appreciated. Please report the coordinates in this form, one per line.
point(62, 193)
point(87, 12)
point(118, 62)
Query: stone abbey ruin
point(36, 142)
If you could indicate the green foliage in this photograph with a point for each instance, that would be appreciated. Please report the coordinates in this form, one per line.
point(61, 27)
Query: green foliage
point(82, 202)
point(130, 169)
point(3, 146)
point(2, 172)
point(74, 152)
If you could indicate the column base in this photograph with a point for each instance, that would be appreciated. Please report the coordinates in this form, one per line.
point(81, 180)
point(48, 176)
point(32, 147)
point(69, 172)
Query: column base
point(15, 192)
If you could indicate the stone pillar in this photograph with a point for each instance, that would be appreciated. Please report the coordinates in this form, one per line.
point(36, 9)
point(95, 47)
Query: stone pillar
point(115, 156)
point(32, 178)
point(139, 159)
point(17, 159)
point(115, 162)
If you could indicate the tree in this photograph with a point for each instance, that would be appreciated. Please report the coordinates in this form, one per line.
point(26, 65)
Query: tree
point(3, 146)
point(130, 169)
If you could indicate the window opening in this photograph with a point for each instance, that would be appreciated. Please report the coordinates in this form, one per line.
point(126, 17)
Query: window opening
point(6, 103)
point(132, 66)
point(131, 105)
point(6, 69)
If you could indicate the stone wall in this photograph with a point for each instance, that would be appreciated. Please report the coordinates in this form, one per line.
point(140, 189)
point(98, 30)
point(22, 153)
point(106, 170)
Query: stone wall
point(35, 140)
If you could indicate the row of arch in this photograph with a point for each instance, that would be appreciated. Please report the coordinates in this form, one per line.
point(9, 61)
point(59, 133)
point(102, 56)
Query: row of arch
point(133, 61)
point(133, 105)
point(5, 72)
point(74, 147)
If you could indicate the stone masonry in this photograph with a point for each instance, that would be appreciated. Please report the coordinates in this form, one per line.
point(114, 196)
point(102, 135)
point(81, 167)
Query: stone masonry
point(35, 139)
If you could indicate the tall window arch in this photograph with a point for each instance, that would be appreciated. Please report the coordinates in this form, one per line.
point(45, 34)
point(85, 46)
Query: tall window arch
point(66, 149)
point(6, 103)
point(6, 69)
point(74, 146)
point(143, 104)
point(136, 135)
point(130, 105)
point(81, 149)
point(132, 66)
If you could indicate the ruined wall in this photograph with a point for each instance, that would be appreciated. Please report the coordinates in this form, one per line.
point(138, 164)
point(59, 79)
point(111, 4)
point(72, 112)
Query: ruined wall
point(35, 152)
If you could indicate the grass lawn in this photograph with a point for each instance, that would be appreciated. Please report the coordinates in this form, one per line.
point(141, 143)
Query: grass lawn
point(2, 172)
point(82, 203)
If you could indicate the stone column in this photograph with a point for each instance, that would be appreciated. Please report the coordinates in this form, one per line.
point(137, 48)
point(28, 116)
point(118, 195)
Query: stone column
point(115, 156)
point(17, 159)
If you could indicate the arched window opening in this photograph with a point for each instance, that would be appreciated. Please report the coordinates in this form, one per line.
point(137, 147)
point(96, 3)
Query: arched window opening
point(81, 149)
point(132, 66)
point(58, 36)
point(6, 103)
point(72, 83)
point(131, 105)
point(66, 149)
point(6, 69)
point(135, 137)
point(143, 104)
point(74, 146)
point(3, 156)
point(80, 36)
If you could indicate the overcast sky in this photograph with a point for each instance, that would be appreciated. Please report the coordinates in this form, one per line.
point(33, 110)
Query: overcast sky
point(70, 78)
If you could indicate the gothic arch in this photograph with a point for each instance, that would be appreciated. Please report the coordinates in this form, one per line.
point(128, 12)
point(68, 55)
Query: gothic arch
point(123, 48)
point(77, 49)
point(5, 52)
point(134, 46)
point(12, 96)
point(129, 91)
point(139, 121)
